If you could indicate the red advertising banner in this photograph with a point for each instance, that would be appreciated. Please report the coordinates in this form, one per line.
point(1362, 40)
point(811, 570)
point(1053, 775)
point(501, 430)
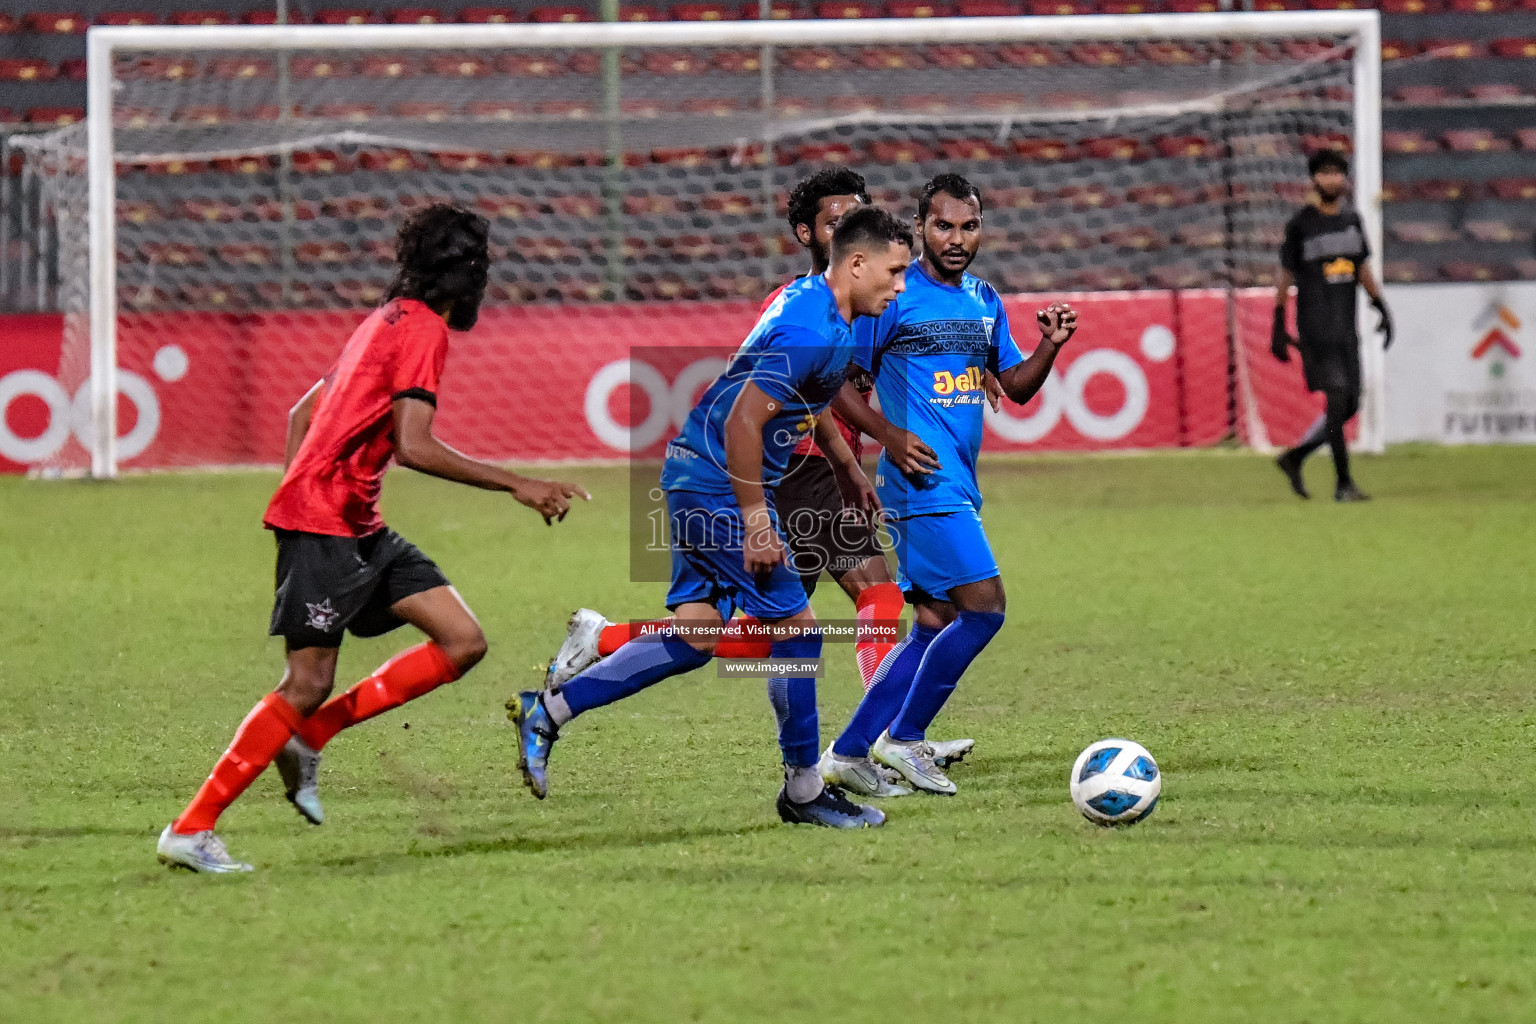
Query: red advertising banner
point(553, 383)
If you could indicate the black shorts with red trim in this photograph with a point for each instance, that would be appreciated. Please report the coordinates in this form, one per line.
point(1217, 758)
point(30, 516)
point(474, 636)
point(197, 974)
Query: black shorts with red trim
point(823, 536)
point(330, 585)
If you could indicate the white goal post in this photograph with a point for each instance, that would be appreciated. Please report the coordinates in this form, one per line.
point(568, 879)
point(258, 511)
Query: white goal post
point(1361, 29)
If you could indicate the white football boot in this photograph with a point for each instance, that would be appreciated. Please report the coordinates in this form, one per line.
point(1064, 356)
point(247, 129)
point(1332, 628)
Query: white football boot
point(299, 765)
point(200, 851)
point(579, 651)
point(860, 776)
point(913, 762)
point(948, 753)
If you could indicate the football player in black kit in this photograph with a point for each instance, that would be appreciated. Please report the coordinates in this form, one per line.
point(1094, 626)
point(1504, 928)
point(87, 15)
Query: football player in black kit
point(1324, 255)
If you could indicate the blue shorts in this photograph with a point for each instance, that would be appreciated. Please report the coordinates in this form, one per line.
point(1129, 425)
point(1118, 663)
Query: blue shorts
point(937, 552)
point(707, 532)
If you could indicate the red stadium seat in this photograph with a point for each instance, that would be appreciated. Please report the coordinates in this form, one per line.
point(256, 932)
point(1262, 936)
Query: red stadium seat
point(202, 113)
point(573, 109)
point(1411, 6)
point(1404, 142)
point(8, 24)
point(128, 18)
point(1193, 6)
point(56, 23)
point(900, 152)
point(1407, 272)
point(778, 10)
point(1159, 197)
point(1496, 231)
point(1187, 146)
point(890, 58)
point(1060, 7)
point(489, 15)
point(393, 160)
point(1422, 232)
point(1477, 6)
point(641, 12)
point(73, 69)
point(1474, 140)
point(1525, 269)
point(1127, 6)
point(972, 149)
point(1439, 190)
point(1421, 95)
point(1137, 238)
point(704, 12)
point(1526, 138)
point(241, 68)
point(201, 18)
point(423, 110)
point(316, 253)
point(1452, 49)
point(1503, 92)
point(918, 9)
point(1201, 236)
point(1115, 147)
point(416, 16)
point(713, 106)
point(812, 58)
point(961, 57)
point(848, 9)
point(988, 8)
point(1471, 270)
point(823, 152)
point(393, 66)
point(496, 110)
point(1398, 49)
point(56, 117)
point(459, 162)
point(1511, 48)
point(269, 17)
point(1106, 55)
point(354, 112)
point(345, 16)
point(530, 65)
point(642, 107)
point(320, 67)
point(680, 62)
point(1045, 150)
point(212, 210)
point(560, 15)
point(27, 70)
point(1088, 197)
point(1514, 189)
point(458, 65)
point(244, 164)
point(733, 204)
point(1338, 5)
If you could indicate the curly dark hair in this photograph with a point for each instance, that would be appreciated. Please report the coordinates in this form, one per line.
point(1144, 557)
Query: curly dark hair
point(954, 185)
point(805, 198)
point(1326, 158)
point(868, 224)
point(443, 259)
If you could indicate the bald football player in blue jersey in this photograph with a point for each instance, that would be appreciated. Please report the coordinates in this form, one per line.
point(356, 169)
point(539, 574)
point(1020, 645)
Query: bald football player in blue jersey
point(728, 547)
point(928, 353)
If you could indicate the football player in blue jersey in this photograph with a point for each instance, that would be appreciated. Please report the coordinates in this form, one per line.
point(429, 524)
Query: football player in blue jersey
point(728, 547)
point(928, 353)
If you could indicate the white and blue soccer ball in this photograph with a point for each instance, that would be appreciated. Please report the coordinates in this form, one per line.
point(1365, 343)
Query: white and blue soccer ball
point(1115, 782)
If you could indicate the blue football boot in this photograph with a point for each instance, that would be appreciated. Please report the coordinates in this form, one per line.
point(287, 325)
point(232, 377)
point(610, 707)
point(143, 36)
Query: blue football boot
point(536, 735)
point(831, 809)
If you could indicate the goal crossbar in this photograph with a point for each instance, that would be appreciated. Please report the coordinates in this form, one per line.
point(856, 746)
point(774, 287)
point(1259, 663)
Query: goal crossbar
point(1360, 28)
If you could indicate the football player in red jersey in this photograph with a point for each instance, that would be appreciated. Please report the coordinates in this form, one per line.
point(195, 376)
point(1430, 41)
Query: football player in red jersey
point(823, 535)
point(338, 566)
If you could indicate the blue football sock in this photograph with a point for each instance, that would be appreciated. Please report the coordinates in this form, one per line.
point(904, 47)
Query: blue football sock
point(794, 702)
point(950, 654)
point(886, 694)
point(630, 669)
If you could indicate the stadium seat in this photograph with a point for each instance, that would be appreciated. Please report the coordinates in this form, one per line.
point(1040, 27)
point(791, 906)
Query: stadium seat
point(355, 113)
point(416, 16)
point(1472, 270)
point(201, 18)
point(1404, 142)
point(1439, 190)
point(431, 111)
point(530, 65)
point(710, 106)
point(1127, 6)
point(1474, 140)
point(322, 161)
point(972, 150)
point(731, 204)
point(1526, 138)
point(1525, 269)
point(1407, 272)
point(55, 117)
point(314, 253)
point(458, 163)
point(250, 164)
point(210, 210)
point(128, 18)
point(1193, 6)
point(495, 110)
point(320, 67)
point(269, 17)
point(1178, 276)
point(1115, 147)
point(1029, 55)
point(1088, 197)
point(1398, 49)
point(489, 15)
point(1106, 55)
point(392, 160)
point(893, 58)
point(1411, 6)
point(1161, 196)
point(1136, 238)
point(1477, 6)
point(903, 151)
point(1513, 189)
point(1422, 232)
point(55, 23)
point(1421, 95)
point(961, 57)
point(270, 210)
point(394, 66)
point(345, 16)
point(241, 68)
point(918, 9)
point(678, 62)
point(1201, 236)
point(1182, 146)
point(560, 15)
point(848, 9)
point(1045, 150)
point(506, 207)
point(574, 109)
point(1503, 92)
point(1496, 231)
point(27, 70)
point(1452, 49)
point(202, 113)
point(704, 12)
point(1048, 8)
point(988, 8)
point(458, 65)
point(8, 24)
point(778, 10)
point(175, 254)
point(1510, 48)
point(814, 58)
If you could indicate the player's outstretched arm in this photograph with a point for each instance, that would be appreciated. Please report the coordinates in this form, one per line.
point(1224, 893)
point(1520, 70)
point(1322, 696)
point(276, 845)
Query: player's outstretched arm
point(299, 418)
point(761, 547)
point(417, 448)
point(851, 481)
point(905, 448)
point(1058, 322)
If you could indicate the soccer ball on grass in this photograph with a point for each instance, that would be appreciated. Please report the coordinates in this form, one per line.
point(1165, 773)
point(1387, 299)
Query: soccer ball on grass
point(1115, 782)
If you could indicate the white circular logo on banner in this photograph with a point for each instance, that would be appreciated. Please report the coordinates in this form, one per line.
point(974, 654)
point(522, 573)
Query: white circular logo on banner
point(65, 415)
point(1063, 395)
point(636, 374)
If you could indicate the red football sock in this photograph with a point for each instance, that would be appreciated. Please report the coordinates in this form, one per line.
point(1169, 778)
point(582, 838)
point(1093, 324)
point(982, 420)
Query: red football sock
point(743, 637)
point(620, 633)
point(406, 676)
point(256, 743)
point(881, 603)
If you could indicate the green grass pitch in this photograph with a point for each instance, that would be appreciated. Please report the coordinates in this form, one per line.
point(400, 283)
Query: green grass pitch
point(1340, 697)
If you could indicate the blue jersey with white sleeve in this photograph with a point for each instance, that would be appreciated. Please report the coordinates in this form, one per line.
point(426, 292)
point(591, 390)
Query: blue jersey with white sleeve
point(797, 354)
point(928, 353)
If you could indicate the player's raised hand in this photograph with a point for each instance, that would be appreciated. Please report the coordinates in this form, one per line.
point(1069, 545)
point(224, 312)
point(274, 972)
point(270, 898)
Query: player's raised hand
point(1058, 322)
point(549, 498)
point(909, 453)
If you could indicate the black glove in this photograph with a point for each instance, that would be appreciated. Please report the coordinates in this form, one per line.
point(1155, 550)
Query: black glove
point(1384, 326)
point(1279, 341)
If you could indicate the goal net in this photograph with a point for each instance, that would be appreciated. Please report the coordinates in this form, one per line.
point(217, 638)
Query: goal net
point(227, 211)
